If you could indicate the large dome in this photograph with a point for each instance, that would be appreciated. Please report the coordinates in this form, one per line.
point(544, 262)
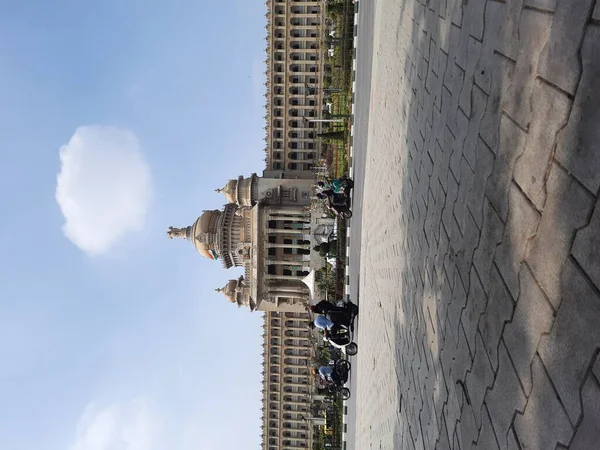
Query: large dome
point(217, 235)
point(205, 225)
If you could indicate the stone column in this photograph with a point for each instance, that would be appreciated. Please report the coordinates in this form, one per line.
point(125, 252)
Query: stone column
point(299, 246)
point(291, 231)
point(293, 212)
point(290, 262)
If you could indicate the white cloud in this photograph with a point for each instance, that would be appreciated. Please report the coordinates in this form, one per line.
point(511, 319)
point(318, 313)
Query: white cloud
point(103, 188)
point(130, 426)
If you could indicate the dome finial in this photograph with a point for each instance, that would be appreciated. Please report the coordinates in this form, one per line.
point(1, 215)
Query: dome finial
point(177, 233)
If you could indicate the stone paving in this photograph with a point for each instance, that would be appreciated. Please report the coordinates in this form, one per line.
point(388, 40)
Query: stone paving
point(480, 263)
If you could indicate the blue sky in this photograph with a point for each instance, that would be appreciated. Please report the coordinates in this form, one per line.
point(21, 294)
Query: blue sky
point(111, 335)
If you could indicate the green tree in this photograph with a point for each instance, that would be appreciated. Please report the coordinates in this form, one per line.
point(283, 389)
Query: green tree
point(335, 135)
point(335, 8)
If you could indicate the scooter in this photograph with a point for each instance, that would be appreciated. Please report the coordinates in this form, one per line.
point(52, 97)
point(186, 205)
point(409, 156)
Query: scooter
point(339, 204)
point(342, 338)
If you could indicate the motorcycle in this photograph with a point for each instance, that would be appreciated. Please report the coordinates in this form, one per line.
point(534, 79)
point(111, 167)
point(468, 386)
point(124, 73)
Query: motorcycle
point(341, 369)
point(339, 204)
point(342, 337)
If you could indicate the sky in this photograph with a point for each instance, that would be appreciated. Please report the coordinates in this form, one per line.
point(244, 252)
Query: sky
point(119, 118)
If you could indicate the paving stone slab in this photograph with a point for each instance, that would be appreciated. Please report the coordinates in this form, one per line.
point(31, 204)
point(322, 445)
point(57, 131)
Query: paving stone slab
point(550, 111)
point(466, 429)
point(559, 61)
point(588, 433)
point(492, 230)
point(567, 352)
point(533, 316)
point(520, 227)
point(505, 398)
point(577, 147)
point(510, 147)
point(487, 439)
point(479, 379)
point(534, 30)
point(499, 310)
point(507, 42)
point(544, 422)
point(566, 210)
point(476, 303)
point(586, 247)
point(483, 73)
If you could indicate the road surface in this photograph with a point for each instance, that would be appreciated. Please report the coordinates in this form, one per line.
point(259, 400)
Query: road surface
point(474, 247)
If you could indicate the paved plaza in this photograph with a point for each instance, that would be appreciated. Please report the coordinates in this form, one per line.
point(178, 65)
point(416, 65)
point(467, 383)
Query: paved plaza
point(476, 256)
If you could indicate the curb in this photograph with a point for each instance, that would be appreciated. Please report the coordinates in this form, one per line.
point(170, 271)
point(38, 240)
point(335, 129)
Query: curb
point(351, 173)
point(351, 156)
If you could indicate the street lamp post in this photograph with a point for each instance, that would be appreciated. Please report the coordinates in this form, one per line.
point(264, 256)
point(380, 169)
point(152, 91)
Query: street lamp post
point(334, 118)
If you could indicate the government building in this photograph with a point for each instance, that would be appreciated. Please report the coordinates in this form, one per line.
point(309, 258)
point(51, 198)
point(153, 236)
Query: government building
point(269, 224)
point(268, 227)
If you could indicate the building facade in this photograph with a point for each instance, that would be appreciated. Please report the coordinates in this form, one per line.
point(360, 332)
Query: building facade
point(266, 228)
point(287, 382)
point(294, 73)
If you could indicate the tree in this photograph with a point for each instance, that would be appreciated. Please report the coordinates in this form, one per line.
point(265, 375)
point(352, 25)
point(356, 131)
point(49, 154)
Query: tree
point(335, 8)
point(335, 135)
point(326, 280)
point(326, 248)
